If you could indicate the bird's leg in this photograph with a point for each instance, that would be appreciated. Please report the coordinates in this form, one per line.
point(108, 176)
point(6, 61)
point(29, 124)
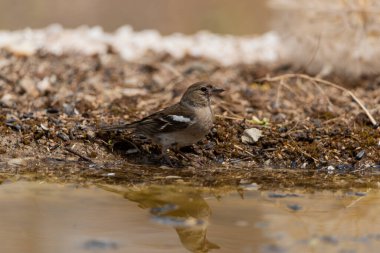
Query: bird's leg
point(164, 155)
point(178, 151)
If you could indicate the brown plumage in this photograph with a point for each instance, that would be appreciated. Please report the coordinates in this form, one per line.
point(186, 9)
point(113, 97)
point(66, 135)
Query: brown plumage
point(181, 124)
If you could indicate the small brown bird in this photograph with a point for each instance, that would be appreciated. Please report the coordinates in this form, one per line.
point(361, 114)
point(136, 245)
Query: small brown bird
point(181, 124)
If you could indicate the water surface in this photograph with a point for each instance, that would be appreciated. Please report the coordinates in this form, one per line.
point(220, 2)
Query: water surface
point(41, 217)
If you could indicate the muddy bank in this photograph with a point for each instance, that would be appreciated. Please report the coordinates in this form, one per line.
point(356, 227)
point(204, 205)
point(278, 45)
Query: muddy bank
point(313, 135)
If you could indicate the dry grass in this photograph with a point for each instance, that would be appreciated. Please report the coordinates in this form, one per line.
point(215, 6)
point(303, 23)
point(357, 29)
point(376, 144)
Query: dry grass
point(317, 81)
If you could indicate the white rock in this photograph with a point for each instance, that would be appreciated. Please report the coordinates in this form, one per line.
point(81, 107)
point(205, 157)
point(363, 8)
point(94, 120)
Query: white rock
point(330, 169)
point(251, 135)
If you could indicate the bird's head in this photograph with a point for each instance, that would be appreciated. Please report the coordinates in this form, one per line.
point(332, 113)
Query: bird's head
point(199, 94)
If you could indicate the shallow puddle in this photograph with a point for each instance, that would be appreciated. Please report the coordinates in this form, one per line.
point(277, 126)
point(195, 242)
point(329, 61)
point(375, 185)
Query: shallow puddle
point(40, 217)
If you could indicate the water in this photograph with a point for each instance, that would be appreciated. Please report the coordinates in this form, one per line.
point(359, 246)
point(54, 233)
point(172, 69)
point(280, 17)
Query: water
point(40, 217)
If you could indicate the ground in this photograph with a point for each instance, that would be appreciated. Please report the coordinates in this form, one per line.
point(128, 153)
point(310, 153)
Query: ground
point(314, 135)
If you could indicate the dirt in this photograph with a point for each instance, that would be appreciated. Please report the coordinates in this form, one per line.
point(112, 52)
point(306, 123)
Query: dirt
point(314, 135)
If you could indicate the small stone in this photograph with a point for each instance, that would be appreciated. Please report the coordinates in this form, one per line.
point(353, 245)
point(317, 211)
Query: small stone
point(45, 128)
point(70, 110)
point(330, 169)
point(360, 155)
point(250, 136)
point(14, 126)
point(344, 167)
point(52, 110)
point(63, 136)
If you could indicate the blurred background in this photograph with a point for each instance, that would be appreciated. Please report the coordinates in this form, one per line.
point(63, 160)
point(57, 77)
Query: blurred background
point(167, 16)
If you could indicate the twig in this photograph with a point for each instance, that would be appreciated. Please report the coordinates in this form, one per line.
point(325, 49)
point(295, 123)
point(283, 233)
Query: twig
point(70, 150)
point(324, 93)
point(245, 151)
point(256, 121)
point(297, 148)
point(277, 102)
point(321, 81)
point(229, 117)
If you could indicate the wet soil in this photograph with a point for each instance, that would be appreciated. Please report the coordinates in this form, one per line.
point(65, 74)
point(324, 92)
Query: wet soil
point(314, 136)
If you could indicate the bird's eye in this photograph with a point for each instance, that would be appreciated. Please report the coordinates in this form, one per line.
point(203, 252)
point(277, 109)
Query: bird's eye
point(204, 89)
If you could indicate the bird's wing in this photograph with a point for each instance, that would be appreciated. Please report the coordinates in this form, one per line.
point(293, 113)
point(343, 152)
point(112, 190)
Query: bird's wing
point(170, 119)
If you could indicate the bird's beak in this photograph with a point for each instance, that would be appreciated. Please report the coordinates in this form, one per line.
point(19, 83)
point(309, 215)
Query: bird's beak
point(216, 91)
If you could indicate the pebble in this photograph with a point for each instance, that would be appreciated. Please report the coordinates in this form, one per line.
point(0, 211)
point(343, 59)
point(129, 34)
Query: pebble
point(14, 126)
point(330, 169)
point(251, 135)
point(63, 136)
point(52, 110)
point(344, 167)
point(360, 155)
point(45, 128)
point(69, 110)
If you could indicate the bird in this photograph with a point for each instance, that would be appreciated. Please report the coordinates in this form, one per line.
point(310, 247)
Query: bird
point(181, 124)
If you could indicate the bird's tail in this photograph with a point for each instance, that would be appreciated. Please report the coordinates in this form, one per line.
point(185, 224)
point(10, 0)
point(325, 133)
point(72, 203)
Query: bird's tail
point(117, 127)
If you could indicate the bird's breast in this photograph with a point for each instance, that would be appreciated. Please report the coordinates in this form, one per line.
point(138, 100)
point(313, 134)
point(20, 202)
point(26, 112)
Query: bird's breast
point(204, 119)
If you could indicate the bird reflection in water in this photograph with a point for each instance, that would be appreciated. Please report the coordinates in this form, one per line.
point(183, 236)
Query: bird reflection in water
point(183, 208)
